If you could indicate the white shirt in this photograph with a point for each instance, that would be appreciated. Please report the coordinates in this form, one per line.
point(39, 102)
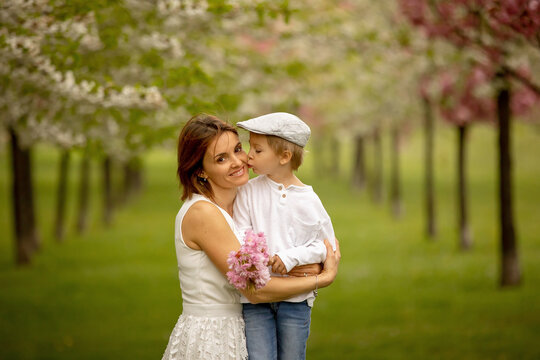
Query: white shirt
point(292, 219)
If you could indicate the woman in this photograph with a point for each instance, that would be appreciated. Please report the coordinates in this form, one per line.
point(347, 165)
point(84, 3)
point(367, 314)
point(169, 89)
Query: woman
point(211, 166)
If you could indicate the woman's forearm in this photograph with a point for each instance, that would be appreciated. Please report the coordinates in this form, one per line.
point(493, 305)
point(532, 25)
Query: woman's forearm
point(282, 288)
point(278, 289)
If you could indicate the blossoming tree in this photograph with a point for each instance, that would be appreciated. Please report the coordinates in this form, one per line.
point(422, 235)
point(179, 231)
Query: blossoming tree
point(87, 75)
point(497, 34)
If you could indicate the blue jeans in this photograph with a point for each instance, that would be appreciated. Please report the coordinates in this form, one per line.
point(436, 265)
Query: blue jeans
point(277, 331)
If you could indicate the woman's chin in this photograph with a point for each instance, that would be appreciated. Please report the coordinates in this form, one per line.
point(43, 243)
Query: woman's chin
point(244, 179)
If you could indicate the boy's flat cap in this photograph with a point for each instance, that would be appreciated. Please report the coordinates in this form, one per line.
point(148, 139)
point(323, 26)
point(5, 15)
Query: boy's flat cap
point(284, 125)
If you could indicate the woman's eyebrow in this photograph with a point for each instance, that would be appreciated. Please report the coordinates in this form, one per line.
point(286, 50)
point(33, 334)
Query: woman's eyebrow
point(223, 154)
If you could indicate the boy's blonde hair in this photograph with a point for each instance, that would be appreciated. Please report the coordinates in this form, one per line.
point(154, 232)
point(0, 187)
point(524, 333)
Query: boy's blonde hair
point(279, 145)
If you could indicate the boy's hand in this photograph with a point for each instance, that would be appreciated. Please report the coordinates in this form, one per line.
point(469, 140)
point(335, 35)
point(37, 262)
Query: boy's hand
point(277, 265)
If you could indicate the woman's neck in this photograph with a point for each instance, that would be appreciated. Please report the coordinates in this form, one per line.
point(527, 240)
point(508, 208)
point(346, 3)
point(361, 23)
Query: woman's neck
point(224, 198)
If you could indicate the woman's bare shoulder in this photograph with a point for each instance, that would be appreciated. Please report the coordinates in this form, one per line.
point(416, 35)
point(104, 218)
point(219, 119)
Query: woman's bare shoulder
point(203, 217)
point(202, 212)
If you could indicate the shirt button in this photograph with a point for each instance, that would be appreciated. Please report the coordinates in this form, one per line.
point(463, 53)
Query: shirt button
point(283, 195)
point(280, 187)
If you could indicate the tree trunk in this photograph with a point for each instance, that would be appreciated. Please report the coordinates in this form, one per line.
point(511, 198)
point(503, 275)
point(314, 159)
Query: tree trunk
point(395, 190)
point(136, 175)
point(61, 196)
point(510, 268)
point(465, 239)
point(107, 191)
point(431, 228)
point(377, 187)
point(359, 168)
point(132, 178)
point(84, 193)
point(26, 236)
point(127, 183)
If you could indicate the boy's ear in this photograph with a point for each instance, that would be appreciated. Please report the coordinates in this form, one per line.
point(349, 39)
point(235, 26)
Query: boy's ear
point(285, 157)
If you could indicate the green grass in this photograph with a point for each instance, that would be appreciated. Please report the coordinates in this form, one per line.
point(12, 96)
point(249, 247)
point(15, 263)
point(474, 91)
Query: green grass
point(113, 293)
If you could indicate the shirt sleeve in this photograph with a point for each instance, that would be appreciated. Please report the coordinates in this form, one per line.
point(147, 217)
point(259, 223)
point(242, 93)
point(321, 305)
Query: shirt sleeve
point(241, 210)
point(313, 252)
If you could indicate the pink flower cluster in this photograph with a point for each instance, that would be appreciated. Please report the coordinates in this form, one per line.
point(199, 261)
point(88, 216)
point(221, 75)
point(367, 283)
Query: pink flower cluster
point(249, 265)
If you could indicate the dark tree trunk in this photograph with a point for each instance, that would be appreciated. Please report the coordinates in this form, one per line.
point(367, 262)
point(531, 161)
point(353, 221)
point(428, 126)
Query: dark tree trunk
point(335, 156)
point(84, 193)
point(61, 196)
point(132, 178)
point(465, 239)
point(26, 236)
point(395, 190)
point(137, 180)
point(431, 228)
point(127, 184)
point(108, 202)
point(510, 268)
point(377, 186)
point(359, 168)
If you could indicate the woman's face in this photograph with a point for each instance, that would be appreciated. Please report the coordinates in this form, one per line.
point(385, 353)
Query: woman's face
point(225, 162)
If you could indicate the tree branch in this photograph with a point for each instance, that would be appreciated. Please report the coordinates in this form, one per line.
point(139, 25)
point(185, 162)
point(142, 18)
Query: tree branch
point(527, 82)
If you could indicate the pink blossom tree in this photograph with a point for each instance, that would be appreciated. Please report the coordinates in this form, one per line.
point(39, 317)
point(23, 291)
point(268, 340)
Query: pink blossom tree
point(461, 104)
point(494, 33)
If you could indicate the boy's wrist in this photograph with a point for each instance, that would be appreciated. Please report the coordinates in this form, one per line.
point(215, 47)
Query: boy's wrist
point(289, 265)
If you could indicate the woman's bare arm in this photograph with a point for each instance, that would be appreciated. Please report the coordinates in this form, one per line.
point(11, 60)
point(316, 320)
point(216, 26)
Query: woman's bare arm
point(205, 227)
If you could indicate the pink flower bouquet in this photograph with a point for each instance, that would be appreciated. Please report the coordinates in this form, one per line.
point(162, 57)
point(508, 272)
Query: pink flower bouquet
point(249, 265)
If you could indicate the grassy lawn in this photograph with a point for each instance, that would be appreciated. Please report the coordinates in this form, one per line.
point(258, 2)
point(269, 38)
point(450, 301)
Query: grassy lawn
point(113, 293)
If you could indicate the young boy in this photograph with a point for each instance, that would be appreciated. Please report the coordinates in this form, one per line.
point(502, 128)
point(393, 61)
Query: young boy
point(295, 224)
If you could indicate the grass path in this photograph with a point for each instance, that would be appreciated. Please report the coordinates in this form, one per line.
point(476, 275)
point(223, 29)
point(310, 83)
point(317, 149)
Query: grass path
point(113, 293)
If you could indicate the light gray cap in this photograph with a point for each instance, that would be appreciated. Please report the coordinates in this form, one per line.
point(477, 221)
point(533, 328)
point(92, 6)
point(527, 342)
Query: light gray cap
point(281, 124)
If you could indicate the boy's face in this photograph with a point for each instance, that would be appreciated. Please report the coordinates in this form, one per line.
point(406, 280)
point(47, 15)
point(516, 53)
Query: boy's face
point(261, 157)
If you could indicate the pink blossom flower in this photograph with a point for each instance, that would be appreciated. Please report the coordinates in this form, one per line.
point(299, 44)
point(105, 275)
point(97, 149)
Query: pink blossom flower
point(249, 265)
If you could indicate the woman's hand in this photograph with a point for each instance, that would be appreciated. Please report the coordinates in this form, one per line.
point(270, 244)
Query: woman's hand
point(313, 269)
point(338, 253)
point(306, 270)
point(331, 264)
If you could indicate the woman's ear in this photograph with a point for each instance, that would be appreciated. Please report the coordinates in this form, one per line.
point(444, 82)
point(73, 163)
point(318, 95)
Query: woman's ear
point(285, 157)
point(201, 175)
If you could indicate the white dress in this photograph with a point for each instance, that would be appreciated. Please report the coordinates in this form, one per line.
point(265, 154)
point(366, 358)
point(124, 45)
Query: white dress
point(211, 324)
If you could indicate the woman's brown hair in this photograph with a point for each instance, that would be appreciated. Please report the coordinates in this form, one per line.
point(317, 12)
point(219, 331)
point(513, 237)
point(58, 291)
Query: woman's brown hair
point(193, 141)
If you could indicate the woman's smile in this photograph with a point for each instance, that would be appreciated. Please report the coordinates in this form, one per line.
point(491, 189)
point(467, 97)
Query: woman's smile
point(239, 172)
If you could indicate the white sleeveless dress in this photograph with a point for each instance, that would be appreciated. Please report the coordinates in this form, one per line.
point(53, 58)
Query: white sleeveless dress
point(211, 324)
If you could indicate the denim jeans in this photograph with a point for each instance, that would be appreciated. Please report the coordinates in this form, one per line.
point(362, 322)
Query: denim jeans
point(277, 331)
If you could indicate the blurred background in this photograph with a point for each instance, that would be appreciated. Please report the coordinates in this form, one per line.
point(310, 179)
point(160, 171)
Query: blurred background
point(425, 124)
